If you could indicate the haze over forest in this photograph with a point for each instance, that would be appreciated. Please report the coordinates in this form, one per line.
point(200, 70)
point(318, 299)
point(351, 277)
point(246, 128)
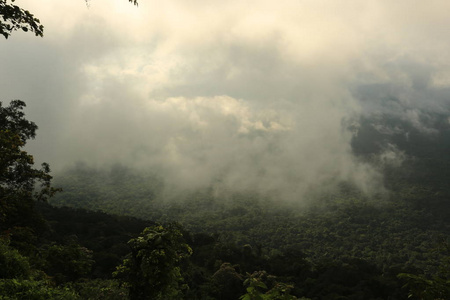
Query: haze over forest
point(224, 150)
point(248, 96)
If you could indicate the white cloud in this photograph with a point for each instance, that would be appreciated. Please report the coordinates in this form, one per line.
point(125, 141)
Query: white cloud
point(253, 92)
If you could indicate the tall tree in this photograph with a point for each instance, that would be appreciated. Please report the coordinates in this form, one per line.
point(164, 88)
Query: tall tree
point(152, 270)
point(20, 183)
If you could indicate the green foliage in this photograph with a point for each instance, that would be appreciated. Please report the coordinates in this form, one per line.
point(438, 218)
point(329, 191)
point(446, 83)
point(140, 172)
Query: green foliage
point(13, 17)
point(105, 235)
point(342, 246)
point(256, 287)
point(20, 186)
point(389, 232)
point(152, 269)
point(423, 288)
point(118, 190)
point(99, 289)
point(430, 287)
point(18, 177)
point(226, 282)
point(19, 289)
point(12, 263)
point(67, 262)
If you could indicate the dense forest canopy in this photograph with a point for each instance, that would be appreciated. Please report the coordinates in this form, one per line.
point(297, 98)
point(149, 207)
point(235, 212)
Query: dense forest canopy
point(225, 150)
point(399, 230)
point(344, 244)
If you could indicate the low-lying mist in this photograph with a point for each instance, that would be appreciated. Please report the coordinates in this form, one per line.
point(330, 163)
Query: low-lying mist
point(285, 151)
point(267, 98)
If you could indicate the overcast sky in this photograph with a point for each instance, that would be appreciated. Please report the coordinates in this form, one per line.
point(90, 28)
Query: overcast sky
point(256, 94)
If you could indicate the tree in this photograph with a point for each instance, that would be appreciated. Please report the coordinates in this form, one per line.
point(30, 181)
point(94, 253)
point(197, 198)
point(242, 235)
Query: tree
point(12, 263)
point(152, 270)
point(67, 262)
point(227, 282)
point(430, 287)
point(20, 183)
point(13, 17)
point(255, 287)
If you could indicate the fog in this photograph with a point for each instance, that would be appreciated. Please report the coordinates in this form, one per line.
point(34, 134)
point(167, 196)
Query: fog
point(256, 95)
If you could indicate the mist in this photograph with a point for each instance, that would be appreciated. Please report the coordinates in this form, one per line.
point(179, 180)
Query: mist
point(255, 96)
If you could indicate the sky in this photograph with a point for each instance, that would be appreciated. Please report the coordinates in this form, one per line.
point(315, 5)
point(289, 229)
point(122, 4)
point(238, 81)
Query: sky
point(257, 95)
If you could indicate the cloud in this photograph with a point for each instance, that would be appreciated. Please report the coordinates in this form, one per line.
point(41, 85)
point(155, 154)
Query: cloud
point(256, 95)
point(195, 142)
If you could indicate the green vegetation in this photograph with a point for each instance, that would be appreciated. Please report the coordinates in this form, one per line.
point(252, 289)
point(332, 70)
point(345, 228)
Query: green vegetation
point(342, 245)
point(401, 230)
point(14, 18)
point(151, 271)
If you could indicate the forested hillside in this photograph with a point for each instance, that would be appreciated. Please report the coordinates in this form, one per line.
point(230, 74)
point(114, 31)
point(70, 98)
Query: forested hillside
point(403, 228)
point(340, 243)
point(225, 150)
